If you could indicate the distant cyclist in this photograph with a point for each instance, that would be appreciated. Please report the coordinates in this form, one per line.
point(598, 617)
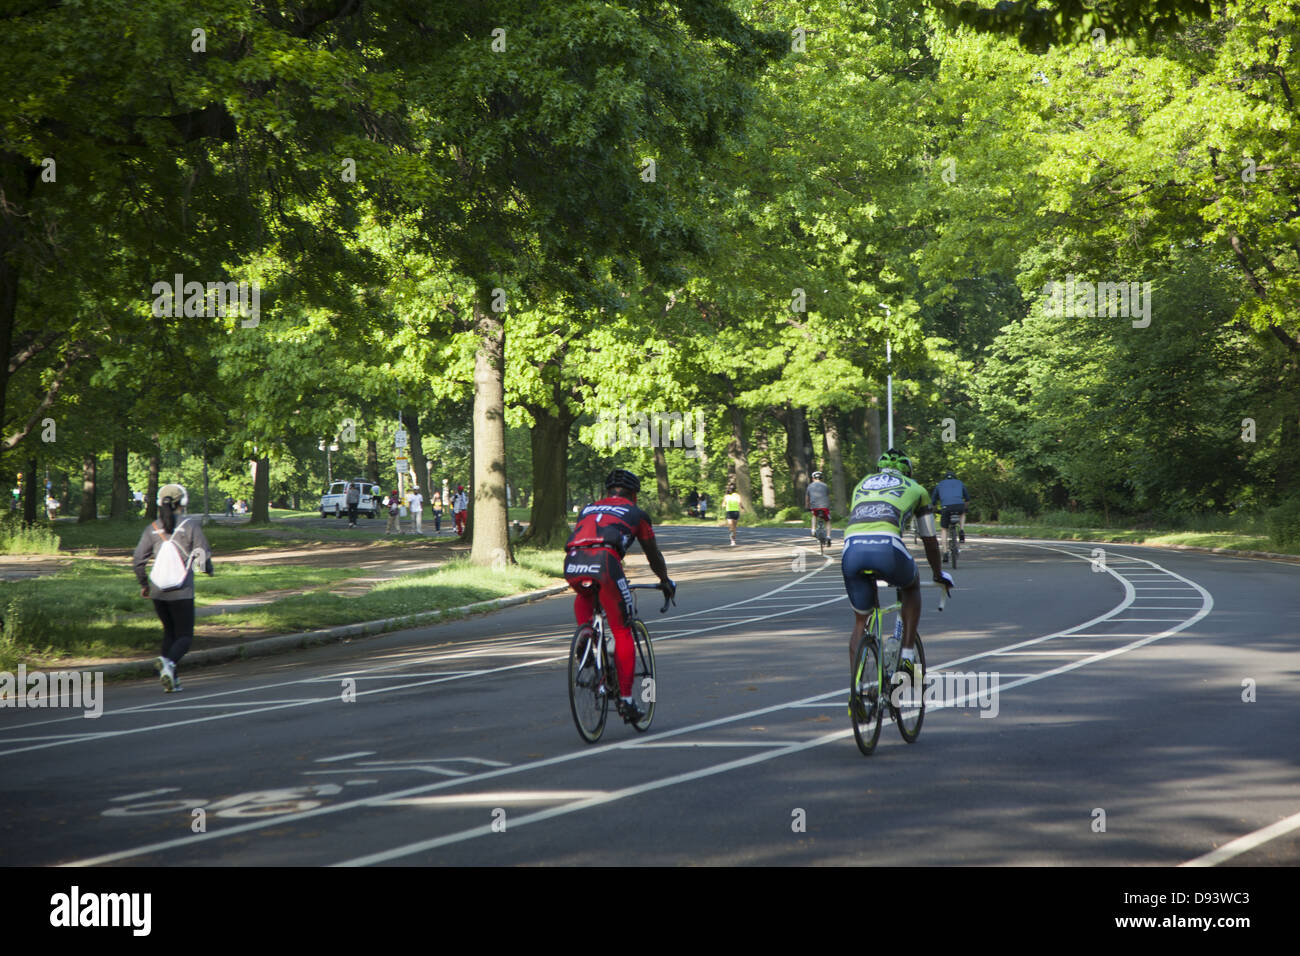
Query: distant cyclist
point(594, 563)
point(817, 499)
point(731, 508)
point(873, 542)
point(950, 498)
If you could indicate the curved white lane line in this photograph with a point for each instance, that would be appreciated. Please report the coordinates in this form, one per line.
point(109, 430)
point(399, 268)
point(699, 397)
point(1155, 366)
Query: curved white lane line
point(1243, 844)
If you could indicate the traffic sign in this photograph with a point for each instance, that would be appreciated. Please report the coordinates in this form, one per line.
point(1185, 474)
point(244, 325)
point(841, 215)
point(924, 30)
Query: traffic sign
point(403, 465)
point(399, 440)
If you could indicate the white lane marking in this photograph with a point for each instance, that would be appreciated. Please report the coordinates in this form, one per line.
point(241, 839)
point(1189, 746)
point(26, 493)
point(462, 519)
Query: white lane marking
point(721, 743)
point(502, 798)
point(422, 768)
point(1042, 654)
point(145, 793)
point(459, 653)
point(1144, 619)
point(356, 753)
point(818, 699)
point(382, 690)
point(1242, 844)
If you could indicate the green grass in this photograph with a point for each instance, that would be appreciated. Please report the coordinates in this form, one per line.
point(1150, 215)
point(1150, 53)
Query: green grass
point(224, 538)
point(453, 585)
point(94, 608)
point(15, 539)
point(1231, 540)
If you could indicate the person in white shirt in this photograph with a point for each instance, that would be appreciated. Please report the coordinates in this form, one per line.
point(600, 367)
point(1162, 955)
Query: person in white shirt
point(415, 501)
point(460, 508)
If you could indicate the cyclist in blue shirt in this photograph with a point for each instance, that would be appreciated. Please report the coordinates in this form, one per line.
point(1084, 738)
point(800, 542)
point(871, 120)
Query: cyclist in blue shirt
point(950, 498)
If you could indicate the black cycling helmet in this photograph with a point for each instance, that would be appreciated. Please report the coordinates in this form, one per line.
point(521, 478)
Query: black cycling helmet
point(618, 478)
point(950, 475)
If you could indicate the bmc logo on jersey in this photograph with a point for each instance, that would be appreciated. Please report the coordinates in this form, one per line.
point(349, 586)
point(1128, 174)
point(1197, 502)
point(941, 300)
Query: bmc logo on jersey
point(876, 482)
point(582, 569)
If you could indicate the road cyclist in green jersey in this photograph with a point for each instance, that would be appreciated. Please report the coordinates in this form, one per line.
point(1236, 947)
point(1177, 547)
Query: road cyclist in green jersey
point(873, 544)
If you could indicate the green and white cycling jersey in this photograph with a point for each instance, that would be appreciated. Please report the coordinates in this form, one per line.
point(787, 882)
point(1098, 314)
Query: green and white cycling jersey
point(882, 502)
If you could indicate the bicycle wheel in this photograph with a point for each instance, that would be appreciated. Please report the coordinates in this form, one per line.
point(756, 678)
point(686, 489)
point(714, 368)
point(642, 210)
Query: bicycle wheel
point(952, 544)
point(864, 695)
point(907, 698)
point(587, 697)
point(645, 685)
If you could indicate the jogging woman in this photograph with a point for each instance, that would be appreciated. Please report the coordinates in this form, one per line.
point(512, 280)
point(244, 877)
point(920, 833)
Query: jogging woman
point(731, 507)
point(175, 607)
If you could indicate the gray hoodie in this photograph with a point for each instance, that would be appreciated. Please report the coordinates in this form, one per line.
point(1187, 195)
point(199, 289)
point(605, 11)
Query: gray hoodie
point(188, 535)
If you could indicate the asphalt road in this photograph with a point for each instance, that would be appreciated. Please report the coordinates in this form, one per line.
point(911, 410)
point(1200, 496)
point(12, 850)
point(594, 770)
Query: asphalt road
point(1114, 732)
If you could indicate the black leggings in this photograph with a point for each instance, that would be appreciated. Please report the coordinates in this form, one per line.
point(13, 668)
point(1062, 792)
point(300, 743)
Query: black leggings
point(178, 627)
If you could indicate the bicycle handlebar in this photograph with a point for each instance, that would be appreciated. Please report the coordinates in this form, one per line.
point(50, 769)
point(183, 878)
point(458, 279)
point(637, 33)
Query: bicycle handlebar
point(668, 598)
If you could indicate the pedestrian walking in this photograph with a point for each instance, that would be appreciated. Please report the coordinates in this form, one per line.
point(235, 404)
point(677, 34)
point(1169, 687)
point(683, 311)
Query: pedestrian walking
point(177, 546)
point(415, 501)
point(353, 499)
point(394, 503)
point(704, 505)
point(230, 507)
point(437, 512)
point(51, 507)
point(460, 509)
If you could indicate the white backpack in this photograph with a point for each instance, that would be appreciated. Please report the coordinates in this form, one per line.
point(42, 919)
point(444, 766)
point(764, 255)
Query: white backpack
point(169, 570)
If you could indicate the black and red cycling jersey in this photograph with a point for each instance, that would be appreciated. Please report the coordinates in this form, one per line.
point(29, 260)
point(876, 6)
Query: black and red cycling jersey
point(612, 523)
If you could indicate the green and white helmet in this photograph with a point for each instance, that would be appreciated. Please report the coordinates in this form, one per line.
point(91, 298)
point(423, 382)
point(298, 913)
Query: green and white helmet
point(895, 460)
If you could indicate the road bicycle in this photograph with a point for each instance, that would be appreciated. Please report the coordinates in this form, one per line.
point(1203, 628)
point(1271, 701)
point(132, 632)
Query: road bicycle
point(593, 671)
point(822, 531)
point(954, 526)
point(879, 681)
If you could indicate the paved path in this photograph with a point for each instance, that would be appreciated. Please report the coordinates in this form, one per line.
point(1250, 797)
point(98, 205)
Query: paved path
point(1120, 693)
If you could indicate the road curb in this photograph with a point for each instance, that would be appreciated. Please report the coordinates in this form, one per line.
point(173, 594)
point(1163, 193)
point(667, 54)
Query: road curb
point(1230, 552)
point(285, 642)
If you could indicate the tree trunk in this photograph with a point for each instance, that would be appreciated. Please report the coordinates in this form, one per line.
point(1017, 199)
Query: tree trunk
point(151, 491)
point(33, 491)
point(835, 460)
point(372, 460)
point(415, 450)
point(260, 511)
point(765, 478)
point(667, 506)
point(738, 451)
point(874, 447)
point(797, 450)
point(548, 524)
point(121, 489)
point(88, 512)
point(491, 524)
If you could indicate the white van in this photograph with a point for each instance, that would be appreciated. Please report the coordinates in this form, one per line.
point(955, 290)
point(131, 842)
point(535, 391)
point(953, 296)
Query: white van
point(335, 499)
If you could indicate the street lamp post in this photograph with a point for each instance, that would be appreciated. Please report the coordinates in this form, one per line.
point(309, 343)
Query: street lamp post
point(329, 466)
point(889, 378)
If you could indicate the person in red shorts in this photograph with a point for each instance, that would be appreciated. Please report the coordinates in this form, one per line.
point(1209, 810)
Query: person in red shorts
point(594, 565)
